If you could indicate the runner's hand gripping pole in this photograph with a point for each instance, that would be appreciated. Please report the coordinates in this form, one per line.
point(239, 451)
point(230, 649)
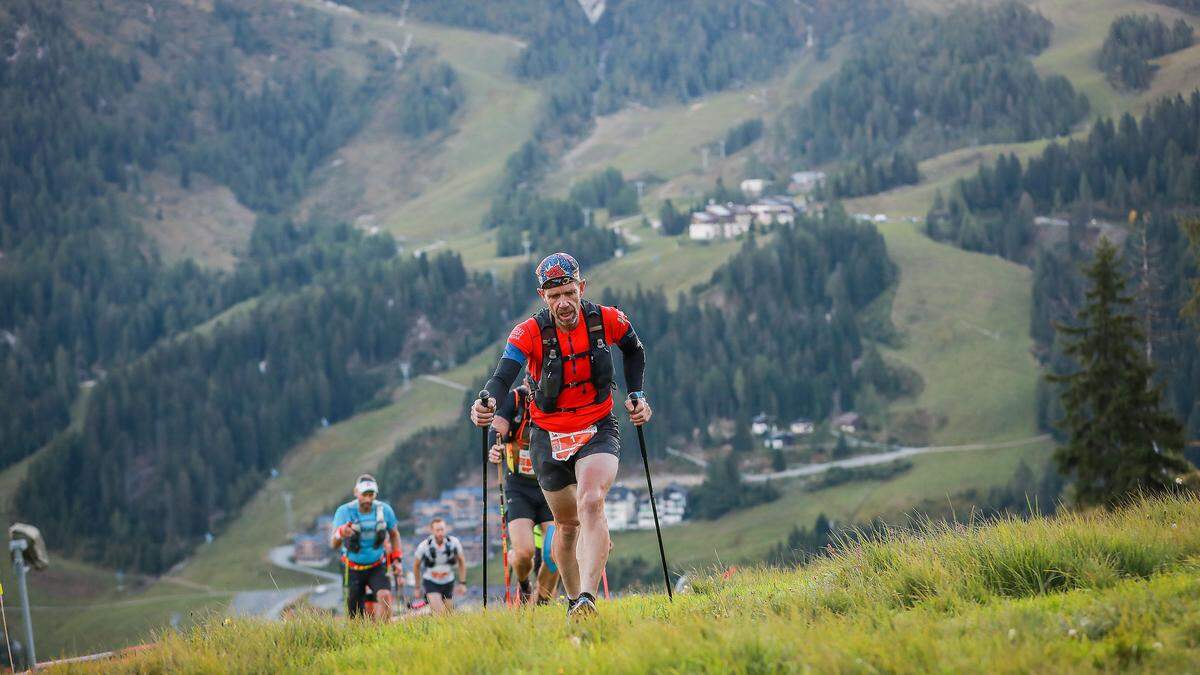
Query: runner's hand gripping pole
point(483, 444)
point(662, 553)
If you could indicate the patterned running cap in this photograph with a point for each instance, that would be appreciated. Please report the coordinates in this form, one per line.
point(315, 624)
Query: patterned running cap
point(557, 269)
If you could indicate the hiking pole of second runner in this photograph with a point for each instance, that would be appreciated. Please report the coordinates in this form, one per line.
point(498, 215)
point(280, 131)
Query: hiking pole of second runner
point(483, 399)
point(504, 531)
point(662, 553)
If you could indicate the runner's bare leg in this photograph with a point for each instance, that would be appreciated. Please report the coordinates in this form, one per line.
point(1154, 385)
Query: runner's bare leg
point(594, 475)
point(520, 547)
point(566, 534)
point(436, 603)
point(383, 606)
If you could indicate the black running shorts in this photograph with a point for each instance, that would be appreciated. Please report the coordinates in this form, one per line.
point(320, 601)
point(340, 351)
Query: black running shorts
point(358, 581)
point(554, 475)
point(524, 499)
point(445, 590)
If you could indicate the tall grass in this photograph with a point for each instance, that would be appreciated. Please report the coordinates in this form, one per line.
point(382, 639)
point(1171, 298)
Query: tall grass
point(1079, 592)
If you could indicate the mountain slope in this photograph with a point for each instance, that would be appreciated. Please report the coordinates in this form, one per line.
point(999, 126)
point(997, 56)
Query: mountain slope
point(1094, 592)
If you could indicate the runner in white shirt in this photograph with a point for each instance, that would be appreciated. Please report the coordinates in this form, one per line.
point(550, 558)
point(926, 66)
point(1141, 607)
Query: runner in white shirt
point(440, 554)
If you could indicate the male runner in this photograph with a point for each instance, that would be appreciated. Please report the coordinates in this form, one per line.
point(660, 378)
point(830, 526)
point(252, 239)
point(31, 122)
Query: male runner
point(440, 554)
point(361, 528)
point(525, 506)
point(574, 441)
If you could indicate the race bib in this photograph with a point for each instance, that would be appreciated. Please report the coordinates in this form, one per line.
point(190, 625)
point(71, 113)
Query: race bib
point(525, 462)
point(440, 576)
point(564, 446)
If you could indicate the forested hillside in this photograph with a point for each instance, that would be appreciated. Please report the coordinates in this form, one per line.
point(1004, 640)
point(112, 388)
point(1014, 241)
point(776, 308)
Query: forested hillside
point(802, 285)
point(928, 83)
point(1133, 40)
point(186, 419)
point(647, 50)
point(185, 434)
point(790, 302)
point(1143, 174)
point(81, 291)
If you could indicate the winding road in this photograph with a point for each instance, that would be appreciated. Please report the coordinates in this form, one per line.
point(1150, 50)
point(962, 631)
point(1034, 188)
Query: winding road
point(885, 457)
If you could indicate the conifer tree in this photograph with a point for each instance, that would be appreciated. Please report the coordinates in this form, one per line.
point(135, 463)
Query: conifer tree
point(1120, 438)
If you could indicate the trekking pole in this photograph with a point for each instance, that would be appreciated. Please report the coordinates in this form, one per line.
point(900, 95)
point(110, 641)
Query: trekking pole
point(500, 471)
point(483, 399)
point(662, 553)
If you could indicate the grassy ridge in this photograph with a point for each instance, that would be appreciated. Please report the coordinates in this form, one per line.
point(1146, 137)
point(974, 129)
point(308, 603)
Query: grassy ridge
point(1079, 593)
point(965, 321)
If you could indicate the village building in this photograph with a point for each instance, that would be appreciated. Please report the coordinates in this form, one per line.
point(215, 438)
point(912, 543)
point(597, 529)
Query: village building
point(761, 424)
point(804, 182)
point(778, 440)
point(620, 508)
point(720, 221)
point(773, 210)
point(754, 187)
point(802, 426)
point(847, 423)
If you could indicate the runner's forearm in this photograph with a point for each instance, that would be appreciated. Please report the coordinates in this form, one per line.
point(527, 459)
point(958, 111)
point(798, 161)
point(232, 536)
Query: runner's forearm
point(634, 361)
point(502, 380)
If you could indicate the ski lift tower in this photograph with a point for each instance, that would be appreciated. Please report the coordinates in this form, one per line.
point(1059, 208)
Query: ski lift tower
point(28, 552)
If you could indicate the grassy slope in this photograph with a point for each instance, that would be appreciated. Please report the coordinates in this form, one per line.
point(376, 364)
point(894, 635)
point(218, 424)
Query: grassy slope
point(205, 223)
point(665, 142)
point(79, 609)
point(965, 321)
point(319, 472)
point(499, 117)
point(1079, 593)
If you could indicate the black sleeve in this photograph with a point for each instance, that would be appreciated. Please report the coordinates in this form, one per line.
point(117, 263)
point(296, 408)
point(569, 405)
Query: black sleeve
point(635, 360)
point(507, 407)
point(502, 380)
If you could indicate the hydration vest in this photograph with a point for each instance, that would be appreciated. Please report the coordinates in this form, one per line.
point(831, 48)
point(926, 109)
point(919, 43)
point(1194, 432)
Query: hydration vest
point(550, 383)
point(430, 557)
point(517, 438)
point(354, 543)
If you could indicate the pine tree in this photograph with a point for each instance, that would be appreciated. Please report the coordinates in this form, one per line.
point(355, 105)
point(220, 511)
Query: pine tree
point(743, 441)
point(1192, 309)
point(842, 449)
point(1120, 440)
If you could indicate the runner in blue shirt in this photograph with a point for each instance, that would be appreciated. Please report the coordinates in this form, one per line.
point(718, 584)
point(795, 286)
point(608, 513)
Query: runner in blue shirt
point(361, 529)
